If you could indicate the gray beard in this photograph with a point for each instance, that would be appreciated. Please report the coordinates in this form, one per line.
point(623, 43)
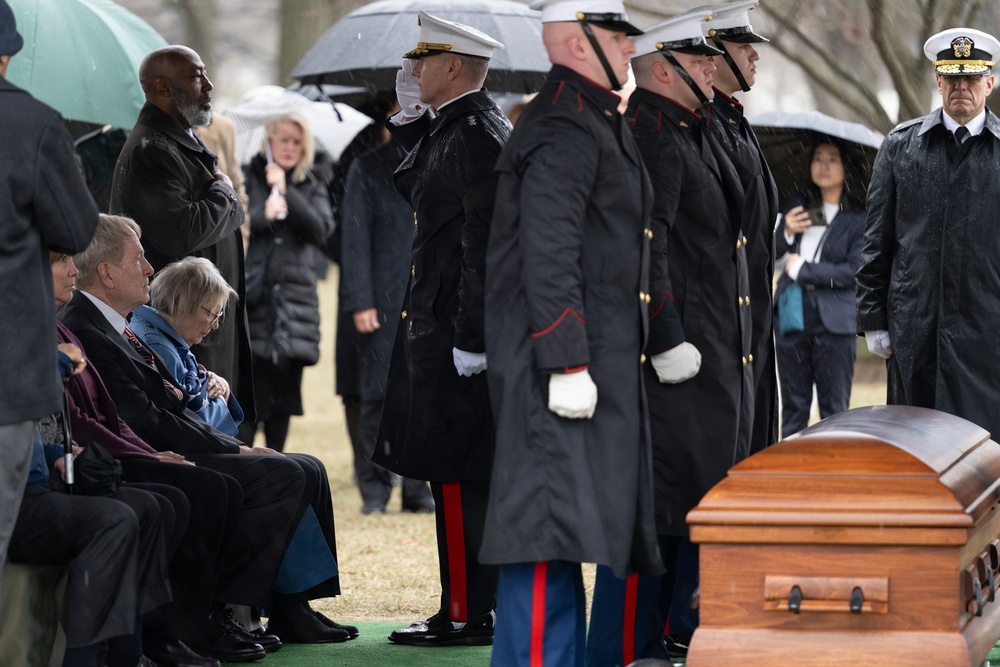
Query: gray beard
point(193, 113)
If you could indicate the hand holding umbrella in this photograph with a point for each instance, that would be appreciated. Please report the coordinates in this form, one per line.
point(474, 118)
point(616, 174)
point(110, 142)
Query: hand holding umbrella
point(275, 208)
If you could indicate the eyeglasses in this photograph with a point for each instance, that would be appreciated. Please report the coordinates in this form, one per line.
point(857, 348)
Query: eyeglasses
point(213, 317)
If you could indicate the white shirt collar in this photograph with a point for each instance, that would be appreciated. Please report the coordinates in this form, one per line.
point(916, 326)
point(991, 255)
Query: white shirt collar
point(974, 126)
point(469, 92)
point(117, 322)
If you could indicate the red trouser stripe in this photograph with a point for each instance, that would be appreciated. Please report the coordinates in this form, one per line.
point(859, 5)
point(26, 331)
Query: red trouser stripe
point(454, 535)
point(538, 614)
point(628, 620)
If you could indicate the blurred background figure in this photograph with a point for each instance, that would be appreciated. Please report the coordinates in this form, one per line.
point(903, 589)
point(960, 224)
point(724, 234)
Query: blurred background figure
point(816, 329)
point(219, 136)
point(289, 214)
point(377, 232)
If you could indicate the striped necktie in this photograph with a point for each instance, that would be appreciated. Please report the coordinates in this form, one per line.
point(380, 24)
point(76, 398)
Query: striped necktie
point(147, 354)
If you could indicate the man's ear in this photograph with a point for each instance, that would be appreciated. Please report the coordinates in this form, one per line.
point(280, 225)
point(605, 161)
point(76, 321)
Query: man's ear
point(454, 68)
point(163, 86)
point(578, 47)
point(104, 275)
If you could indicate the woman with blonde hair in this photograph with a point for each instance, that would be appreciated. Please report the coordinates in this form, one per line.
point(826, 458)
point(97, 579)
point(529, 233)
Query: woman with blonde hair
point(289, 213)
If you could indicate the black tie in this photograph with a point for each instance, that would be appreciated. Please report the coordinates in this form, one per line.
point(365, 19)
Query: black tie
point(961, 134)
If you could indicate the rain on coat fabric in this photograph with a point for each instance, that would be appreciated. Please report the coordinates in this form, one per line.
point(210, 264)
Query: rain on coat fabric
point(700, 427)
point(567, 276)
point(930, 271)
point(437, 424)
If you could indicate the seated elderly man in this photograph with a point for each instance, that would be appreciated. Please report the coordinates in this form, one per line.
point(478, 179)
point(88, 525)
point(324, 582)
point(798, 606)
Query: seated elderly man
point(113, 280)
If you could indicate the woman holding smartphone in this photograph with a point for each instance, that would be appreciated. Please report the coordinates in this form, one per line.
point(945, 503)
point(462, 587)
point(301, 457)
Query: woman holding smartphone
point(821, 233)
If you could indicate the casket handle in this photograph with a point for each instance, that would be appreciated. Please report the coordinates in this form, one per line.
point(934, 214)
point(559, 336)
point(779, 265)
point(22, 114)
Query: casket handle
point(795, 600)
point(799, 595)
point(857, 600)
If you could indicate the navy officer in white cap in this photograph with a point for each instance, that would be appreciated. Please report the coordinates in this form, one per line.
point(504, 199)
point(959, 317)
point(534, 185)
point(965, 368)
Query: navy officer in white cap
point(929, 283)
point(436, 421)
point(566, 312)
point(699, 376)
point(730, 31)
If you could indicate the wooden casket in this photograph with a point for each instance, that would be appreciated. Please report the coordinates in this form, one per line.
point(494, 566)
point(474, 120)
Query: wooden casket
point(871, 538)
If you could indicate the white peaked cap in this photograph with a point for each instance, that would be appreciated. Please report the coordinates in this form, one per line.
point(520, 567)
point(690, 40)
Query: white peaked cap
point(440, 36)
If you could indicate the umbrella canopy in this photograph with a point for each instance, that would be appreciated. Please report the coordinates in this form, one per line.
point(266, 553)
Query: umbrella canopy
point(82, 57)
point(333, 126)
point(366, 47)
point(787, 139)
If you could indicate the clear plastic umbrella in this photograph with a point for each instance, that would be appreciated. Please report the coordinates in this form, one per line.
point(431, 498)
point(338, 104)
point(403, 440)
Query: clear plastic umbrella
point(81, 57)
point(334, 125)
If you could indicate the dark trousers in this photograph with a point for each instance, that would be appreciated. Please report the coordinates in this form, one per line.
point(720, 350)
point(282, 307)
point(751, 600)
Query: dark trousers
point(216, 501)
point(805, 359)
point(629, 615)
point(374, 481)
point(99, 540)
point(272, 504)
point(468, 588)
point(541, 615)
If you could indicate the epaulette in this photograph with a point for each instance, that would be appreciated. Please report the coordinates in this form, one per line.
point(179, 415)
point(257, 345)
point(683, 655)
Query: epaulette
point(906, 124)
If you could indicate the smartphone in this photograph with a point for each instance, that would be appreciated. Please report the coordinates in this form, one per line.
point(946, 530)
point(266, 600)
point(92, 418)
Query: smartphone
point(817, 216)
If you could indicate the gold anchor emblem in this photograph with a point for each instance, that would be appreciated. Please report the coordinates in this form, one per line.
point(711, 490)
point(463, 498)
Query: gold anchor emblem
point(962, 47)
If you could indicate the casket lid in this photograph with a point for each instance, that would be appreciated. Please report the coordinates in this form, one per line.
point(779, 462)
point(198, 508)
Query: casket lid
point(878, 467)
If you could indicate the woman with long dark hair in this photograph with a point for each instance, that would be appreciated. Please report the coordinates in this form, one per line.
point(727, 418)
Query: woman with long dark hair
point(815, 316)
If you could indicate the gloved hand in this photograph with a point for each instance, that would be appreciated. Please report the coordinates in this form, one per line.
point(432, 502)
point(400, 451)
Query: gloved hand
point(408, 91)
point(878, 343)
point(677, 364)
point(468, 363)
point(572, 395)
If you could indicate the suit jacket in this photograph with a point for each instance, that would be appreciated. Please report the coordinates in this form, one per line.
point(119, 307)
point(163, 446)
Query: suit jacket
point(832, 278)
point(163, 180)
point(44, 204)
point(156, 414)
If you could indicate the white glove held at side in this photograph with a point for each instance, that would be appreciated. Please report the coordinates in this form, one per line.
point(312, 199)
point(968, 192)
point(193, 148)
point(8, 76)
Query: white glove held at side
point(878, 343)
point(408, 91)
point(677, 364)
point(468, 363)
point(572, 395)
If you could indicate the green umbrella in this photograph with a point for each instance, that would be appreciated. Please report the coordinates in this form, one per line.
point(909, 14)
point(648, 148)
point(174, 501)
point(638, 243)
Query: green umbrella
point(82, 57)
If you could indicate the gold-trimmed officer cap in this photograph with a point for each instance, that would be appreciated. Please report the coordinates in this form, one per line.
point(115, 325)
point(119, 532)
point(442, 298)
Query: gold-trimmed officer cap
point(962, 52)
point(608, 14)
point(440, 36)
point(682, 33)
point(731, 23)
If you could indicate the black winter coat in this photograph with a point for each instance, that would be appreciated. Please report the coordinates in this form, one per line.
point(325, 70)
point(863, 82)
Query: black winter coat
point(438, 424)
point(377, 232)
point(283, 305)
point(567, 274)
point(760, 211)
point(700, 427)
point(930, 271)
point(163, 180)
point(44, 204)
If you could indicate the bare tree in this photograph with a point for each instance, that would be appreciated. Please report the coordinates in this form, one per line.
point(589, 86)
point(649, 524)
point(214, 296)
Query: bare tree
point(199, 24)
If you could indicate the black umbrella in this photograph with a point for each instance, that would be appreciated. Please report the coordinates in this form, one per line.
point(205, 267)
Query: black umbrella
point(787, 139)
point(366, 47)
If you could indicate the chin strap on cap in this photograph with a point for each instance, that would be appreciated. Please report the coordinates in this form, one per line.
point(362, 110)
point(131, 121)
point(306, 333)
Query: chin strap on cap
point(687, 77)
point(585, 24)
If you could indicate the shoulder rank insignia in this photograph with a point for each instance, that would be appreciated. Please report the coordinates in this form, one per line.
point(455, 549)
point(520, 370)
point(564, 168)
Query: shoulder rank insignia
point(472, 120)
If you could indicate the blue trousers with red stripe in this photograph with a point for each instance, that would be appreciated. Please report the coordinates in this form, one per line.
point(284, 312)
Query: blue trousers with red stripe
point(468, 589)
point(629, 615)
point(541, 616)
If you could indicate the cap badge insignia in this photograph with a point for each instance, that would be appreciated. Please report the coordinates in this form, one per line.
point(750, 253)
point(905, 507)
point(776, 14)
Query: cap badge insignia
point(962, 47)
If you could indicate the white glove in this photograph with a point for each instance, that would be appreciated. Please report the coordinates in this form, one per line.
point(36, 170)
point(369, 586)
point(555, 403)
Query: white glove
point(677, 364)
point(468, 363)
point(408, 91)
point(572, 395)
point(878, 343)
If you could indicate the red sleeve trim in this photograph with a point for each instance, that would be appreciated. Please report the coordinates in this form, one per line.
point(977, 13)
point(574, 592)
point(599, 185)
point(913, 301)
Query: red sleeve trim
point(663, 301)
point(575, 369)
point(568, 311)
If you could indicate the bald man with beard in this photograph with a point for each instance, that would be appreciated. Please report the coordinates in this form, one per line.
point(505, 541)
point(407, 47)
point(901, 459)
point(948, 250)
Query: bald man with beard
point(169, 182)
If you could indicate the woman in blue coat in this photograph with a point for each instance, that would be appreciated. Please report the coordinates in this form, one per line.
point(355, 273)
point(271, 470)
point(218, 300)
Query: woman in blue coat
point(822, 234)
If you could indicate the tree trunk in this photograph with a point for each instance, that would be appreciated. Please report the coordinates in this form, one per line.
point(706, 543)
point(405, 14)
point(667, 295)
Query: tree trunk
point(302, 23)
point(199, 23)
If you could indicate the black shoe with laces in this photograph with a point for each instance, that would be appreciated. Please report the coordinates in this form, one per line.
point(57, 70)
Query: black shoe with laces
point(224, 644)
point(438, 631)
point(268, 641)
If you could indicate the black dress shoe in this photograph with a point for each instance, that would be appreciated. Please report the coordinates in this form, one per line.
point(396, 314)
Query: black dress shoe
point(268, 641)
point(677, 646)
point(174, 653)
point(351, 630)
point(224, 644)
point(437, 631)
point(298, 625)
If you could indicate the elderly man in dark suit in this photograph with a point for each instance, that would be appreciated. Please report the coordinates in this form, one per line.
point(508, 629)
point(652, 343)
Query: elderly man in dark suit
point(276, 489)
point(169, 182)
point(44, 202)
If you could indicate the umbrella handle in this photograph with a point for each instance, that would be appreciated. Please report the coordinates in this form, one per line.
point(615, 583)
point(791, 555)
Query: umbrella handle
point(270, 160)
